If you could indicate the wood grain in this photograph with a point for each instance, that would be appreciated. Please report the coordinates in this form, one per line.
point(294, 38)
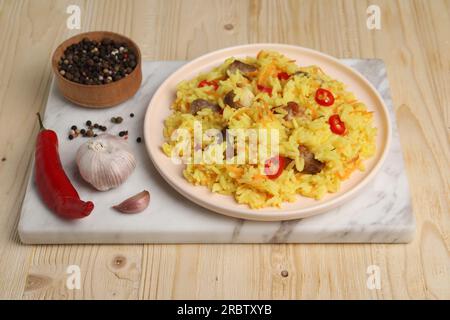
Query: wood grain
point(414, 43)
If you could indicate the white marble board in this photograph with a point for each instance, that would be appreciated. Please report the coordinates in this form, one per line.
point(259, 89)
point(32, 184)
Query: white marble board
point(380, 214)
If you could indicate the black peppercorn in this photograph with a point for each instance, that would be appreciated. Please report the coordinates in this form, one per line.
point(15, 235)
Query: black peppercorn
point(89, 123)
point(138, 140)
point(70, 137)
point(82, 131)
point(131, 115)
point(73, 127)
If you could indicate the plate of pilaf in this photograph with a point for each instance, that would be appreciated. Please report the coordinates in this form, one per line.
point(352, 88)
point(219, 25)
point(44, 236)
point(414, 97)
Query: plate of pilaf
point(267, 132)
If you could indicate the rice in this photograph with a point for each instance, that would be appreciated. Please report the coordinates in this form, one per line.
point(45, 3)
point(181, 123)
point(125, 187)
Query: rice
point(341, 154)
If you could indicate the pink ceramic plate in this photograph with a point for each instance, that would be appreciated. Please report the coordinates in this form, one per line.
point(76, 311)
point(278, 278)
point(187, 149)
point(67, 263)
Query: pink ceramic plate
point(159, 109)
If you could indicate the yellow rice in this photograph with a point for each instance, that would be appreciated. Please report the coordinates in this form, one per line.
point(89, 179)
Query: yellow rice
point(342, 154)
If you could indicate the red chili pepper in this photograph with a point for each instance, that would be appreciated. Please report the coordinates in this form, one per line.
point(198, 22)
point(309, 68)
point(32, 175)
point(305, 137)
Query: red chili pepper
point(324, 97)
point(205, 83)
point(336, 124)
point(52, 182)
point(274, 167)
point(283, 76)
point(265, 89)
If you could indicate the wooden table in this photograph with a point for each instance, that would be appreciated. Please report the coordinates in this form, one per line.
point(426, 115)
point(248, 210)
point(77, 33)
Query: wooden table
point(414, 43)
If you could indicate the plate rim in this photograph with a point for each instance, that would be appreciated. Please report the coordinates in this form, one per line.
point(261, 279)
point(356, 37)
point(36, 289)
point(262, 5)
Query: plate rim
point(276, 214)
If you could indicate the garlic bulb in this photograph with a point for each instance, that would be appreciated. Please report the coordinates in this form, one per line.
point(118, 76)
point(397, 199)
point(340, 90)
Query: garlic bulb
point(105, 161)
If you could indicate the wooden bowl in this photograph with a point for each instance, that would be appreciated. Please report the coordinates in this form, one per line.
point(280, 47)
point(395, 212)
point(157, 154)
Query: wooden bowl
point(103, 95)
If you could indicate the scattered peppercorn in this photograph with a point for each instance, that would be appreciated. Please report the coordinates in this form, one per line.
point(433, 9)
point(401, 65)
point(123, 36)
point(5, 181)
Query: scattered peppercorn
point(92, 62)
point(90, 129)
point(3, 159)
point(284, 273)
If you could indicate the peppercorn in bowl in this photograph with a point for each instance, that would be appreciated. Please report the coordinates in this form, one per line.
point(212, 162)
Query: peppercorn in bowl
point(320, 86)
point(97, 69)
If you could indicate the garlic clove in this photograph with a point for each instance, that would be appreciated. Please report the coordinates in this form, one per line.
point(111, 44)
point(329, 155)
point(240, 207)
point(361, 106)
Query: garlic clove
point(135, 204)
point(105, 161)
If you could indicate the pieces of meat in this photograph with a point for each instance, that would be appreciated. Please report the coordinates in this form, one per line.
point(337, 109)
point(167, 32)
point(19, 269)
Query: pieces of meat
point(229, 100)
point(246, 98)
point(244, 68)
point(200, 104)
point(294, 110)
point(312, 165)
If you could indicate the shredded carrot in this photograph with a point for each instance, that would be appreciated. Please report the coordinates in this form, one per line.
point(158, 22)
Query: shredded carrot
point(259, 177)
point(213, 93)
point(354, 163)
point(236, 170)
point(313, 112)
point(266, 73)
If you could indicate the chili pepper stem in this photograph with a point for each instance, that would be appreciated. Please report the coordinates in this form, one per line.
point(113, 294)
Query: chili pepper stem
point(41, 125)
